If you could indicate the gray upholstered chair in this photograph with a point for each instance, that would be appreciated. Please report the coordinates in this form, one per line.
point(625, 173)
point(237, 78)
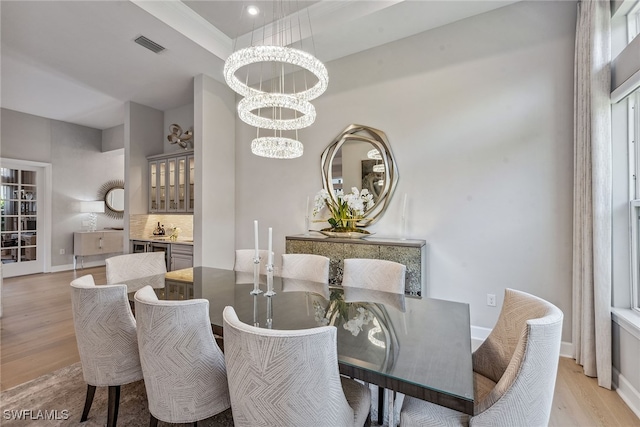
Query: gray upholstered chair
point(150, 266)
point(244, 260)
point(514, 370)
point(183, 367)
point(107, 342)
point(374, 274)
point(289, 378)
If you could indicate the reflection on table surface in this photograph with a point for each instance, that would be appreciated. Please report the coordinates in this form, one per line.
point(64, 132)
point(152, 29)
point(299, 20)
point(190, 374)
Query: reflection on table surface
point(420, 347)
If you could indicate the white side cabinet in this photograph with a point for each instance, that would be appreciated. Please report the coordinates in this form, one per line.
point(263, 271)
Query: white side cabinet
point(87, 243)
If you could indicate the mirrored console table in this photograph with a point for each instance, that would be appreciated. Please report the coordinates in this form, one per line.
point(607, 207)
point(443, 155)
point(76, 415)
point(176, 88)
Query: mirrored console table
point(412, 253)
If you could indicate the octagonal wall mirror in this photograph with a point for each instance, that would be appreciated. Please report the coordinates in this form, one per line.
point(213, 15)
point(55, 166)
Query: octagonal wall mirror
point(112, 192)
point(361, 157)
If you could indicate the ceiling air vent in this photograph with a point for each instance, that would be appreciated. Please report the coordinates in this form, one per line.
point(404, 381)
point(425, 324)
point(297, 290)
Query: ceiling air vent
point(149, 44)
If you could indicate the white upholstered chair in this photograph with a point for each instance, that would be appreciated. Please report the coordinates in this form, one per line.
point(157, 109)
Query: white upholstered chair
point(244, 260)
point(289, 378)
point(183, 367)
point(310, 267)
point(514, 370)
point(374, 274)
point(107, 343)
point(149, 265)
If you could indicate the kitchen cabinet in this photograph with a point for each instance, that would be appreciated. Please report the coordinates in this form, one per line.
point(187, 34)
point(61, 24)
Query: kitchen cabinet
point(411, 253)
point(177, 255)
point(171, 182)
point(86, 243)
point(181, 256)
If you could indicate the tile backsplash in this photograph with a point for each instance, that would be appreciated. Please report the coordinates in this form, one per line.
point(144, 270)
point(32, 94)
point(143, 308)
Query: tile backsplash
point(142, 226)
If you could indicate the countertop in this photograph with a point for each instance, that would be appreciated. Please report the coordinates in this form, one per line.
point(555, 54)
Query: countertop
point(165, 239)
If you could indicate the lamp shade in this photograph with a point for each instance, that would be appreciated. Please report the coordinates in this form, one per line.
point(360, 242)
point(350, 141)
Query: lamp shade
point(92, 207)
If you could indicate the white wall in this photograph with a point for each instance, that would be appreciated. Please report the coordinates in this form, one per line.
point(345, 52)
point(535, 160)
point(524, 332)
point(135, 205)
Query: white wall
point(479, 116)
point(79, 169)
point(214, 133)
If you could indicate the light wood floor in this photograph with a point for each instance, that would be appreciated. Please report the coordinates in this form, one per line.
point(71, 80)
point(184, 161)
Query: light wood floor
point(37, 337)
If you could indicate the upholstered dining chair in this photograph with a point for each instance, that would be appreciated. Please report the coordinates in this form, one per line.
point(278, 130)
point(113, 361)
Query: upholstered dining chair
point(289, 378)
point(244, 260)
point(314, 268)
point(107, 342)
point(514, 370)
point(374, 274)
point(183, 367)
point(150, 266)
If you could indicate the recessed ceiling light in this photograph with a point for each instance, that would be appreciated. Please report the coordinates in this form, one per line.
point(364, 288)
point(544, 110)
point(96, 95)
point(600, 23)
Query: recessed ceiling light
point(253, 10)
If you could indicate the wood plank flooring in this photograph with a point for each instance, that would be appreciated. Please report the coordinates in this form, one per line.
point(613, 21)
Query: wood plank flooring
point(37, 337)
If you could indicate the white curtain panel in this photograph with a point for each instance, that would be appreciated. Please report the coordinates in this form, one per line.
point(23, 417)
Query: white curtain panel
point(592, 192)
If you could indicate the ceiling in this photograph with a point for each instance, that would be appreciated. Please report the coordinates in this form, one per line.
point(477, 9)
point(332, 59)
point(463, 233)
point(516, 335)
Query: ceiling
point(76, 61)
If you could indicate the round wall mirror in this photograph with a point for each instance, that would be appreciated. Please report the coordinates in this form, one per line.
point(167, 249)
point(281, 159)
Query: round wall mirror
point(361, 157)
point(112, 193)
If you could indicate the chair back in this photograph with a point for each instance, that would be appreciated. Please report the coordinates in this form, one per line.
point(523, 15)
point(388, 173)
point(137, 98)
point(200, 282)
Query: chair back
point(283, 378)
point(375, 274)
point(244, 260)
point(314, 268)
point(123, 268)
point(521, 355)
point(105, 333)
point(183, 367)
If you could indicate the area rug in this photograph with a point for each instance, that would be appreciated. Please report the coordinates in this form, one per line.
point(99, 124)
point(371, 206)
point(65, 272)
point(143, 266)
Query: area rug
point(57, 399)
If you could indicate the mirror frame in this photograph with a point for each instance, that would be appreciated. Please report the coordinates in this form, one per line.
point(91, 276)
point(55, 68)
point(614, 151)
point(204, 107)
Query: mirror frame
point(379, 140)
point(102, 195)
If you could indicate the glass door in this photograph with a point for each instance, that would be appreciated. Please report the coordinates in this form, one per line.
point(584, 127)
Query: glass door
point(21, 204)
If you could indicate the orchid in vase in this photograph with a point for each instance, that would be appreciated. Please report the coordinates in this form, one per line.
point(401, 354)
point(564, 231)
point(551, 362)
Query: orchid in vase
point(345, 209)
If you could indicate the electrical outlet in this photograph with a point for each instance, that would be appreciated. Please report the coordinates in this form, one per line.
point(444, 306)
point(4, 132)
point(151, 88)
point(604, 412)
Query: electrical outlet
point(491, 300)
point(62, 251)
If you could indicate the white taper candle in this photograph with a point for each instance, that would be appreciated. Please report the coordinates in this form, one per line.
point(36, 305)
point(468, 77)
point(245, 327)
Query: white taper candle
point(255, 237)
point(270, 247)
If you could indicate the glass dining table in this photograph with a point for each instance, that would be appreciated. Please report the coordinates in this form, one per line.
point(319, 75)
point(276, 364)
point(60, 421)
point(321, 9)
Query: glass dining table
point(420, 347)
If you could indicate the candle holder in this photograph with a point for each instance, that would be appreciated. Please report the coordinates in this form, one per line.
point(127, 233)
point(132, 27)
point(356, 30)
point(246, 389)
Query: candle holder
point(269, 323)
point(403, 230)
point(306, 225)
point(269, 281)
point(256, 276)
point(256, 322)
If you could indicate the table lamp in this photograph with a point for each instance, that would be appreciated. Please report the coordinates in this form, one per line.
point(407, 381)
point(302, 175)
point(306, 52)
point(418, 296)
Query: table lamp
point(92, 208)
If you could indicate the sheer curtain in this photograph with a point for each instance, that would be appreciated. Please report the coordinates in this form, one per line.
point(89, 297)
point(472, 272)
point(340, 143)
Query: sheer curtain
point(592, 192)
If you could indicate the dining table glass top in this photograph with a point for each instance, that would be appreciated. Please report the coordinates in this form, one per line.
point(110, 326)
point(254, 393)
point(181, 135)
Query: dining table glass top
point(417, 346)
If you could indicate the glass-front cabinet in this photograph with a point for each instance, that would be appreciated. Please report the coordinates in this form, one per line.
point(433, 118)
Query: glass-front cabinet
point(18, 203)
point(171, 182)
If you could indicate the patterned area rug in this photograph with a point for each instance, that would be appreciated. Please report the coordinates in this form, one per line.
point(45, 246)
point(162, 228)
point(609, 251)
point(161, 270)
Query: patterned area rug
point(57, 399)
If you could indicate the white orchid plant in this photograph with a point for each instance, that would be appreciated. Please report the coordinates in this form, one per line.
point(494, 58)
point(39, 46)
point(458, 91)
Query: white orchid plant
point(345, 209)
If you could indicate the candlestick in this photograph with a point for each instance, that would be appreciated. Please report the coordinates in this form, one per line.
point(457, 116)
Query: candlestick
point(255, 237)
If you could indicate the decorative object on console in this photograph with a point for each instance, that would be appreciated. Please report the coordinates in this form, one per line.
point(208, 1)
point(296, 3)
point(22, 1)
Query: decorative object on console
point(177, 136)
point(277, 56)
point(92, 208)
point(361, 156)
point(112, 192)
point(346, 211)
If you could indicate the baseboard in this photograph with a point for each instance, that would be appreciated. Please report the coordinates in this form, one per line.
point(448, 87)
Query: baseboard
point(626, 391)
point(479, 334)
point(67, 267)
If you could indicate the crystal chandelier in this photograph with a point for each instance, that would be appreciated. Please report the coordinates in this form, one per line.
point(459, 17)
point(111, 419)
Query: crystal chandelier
point(277, 80)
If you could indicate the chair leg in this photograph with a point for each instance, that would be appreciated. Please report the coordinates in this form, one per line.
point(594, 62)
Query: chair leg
point(91, 391)
point(380, 405)
point(195, 424)
point(114, 401)
point(153, 421)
